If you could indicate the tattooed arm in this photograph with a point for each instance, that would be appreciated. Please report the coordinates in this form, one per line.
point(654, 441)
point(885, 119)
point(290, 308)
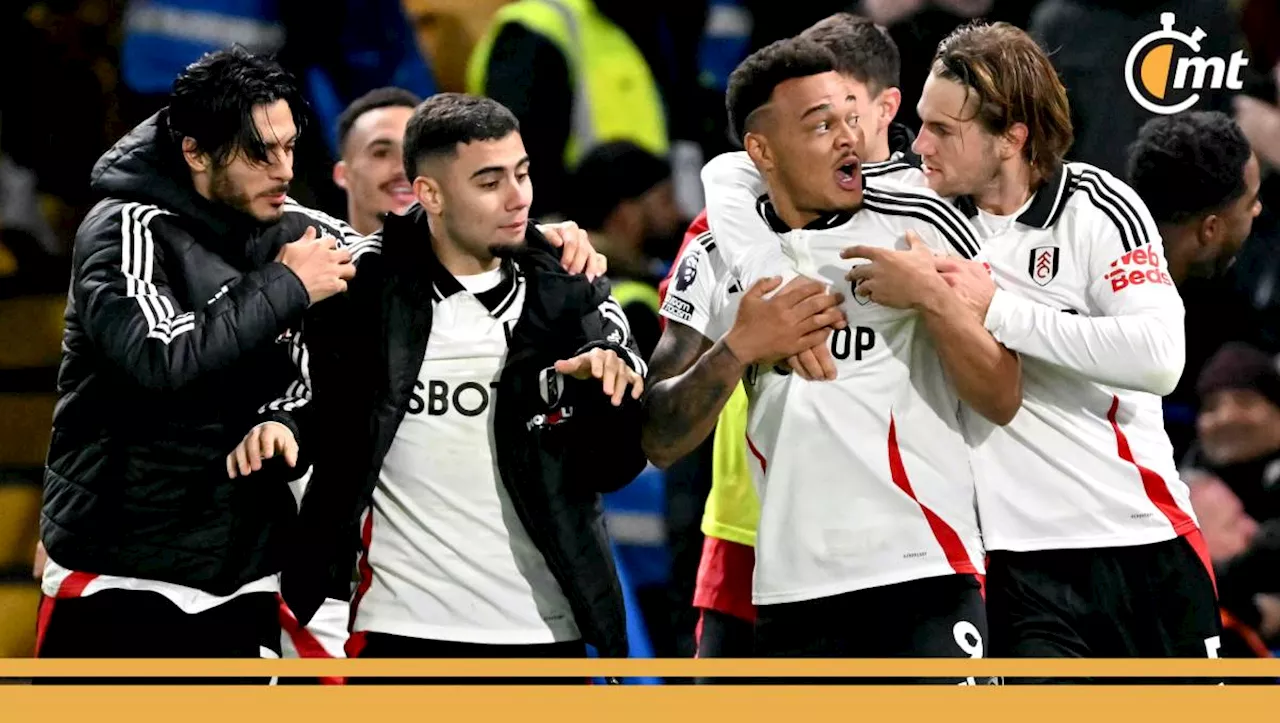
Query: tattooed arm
point(690, 379)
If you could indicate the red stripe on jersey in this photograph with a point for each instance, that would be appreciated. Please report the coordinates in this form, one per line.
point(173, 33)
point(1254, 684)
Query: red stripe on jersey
point(303, 641)
point(1202, 551)
point(764, 467)
point(1153, 483)
point(42, 620)
point(696, 228)
point(942, 532)
point(356, 641)
point(75, 583)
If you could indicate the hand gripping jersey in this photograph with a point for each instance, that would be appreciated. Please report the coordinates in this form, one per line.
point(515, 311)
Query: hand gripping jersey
point(1086, 299)
point(864, 481)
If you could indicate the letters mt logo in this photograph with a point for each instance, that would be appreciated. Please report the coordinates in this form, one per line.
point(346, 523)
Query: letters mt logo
point(1167, 54)
point(1043, 266)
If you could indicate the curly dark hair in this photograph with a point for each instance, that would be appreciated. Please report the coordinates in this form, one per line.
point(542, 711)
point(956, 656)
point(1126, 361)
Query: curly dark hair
point(213, 100)
point(1185, 165)
point(751, 84)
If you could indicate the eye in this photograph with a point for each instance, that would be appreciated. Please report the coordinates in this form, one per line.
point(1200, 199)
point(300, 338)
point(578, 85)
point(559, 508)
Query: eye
point(490, 185)
point(822, 126)
point(522, 176)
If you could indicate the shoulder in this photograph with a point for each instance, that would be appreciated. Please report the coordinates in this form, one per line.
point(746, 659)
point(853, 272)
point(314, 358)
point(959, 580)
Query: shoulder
point(117, 224)
point(302, 216)
point(904, 206)
point(1101, 206)
point(698, 264)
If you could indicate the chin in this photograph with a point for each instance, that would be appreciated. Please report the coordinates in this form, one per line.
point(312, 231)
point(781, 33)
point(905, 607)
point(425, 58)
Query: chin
point(269, 214)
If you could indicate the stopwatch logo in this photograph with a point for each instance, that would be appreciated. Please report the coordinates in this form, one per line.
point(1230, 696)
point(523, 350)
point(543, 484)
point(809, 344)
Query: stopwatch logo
point(1150, 64)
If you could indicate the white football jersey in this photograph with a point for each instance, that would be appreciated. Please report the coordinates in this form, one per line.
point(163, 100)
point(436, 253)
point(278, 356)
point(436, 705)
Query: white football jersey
point(702, 294)
point(446, 556)
point(1086, 299)
point(863, 481)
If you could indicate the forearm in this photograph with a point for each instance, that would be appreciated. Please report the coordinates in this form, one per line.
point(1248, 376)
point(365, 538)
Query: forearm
point(680, 412)
point(1144, 352)
point(986, 375)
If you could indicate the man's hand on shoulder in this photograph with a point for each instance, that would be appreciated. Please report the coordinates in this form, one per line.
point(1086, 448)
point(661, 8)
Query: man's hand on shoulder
point(609, 368)
point(577, 255)
point(262, 442)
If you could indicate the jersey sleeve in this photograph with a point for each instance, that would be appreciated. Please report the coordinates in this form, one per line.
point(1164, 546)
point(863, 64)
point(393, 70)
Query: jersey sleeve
point(750, 249)
point(691, 292)
point(1133, 336)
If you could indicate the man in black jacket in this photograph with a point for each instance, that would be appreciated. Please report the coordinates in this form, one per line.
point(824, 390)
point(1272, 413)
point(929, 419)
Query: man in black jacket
point(187, 279)
point(458, 420)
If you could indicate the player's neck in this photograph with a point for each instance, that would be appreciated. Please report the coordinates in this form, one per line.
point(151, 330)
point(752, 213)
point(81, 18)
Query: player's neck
point(457, 258)
point(787, 210)
point(1180, 245)
point(877, 150)
point(364, 223)
point(1015, 182)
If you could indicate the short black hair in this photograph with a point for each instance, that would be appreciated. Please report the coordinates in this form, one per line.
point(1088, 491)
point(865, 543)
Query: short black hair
point(213, 100)
point(751, 84)
point(446, 119)
point(861, 48)
point(373, 100)
point(1189, 164)
point(609, 174)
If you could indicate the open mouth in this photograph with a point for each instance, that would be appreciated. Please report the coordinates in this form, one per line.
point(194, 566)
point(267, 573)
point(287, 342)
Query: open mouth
point(848, 175)
point(402, 193)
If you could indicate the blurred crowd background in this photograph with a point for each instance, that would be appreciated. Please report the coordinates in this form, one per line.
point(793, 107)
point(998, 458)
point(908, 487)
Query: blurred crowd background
point(81, 73)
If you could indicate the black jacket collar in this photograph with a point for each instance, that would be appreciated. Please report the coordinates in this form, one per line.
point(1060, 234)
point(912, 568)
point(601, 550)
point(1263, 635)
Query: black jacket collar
point(1046, 206)
point(406, 241)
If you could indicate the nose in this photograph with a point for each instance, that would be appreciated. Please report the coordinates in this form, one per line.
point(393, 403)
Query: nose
point(282, 166)
point(921, 146)
point(520, 194)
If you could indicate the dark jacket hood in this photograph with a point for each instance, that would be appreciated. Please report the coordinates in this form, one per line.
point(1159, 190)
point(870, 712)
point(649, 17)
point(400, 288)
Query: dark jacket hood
point(900, 139)
point(146, 166)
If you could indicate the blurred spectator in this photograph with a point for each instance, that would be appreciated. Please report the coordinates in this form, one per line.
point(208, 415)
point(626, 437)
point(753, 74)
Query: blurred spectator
point(371, 152)
point(32, 258)
point(624, 197)
point(574, 77)
point(1089, 41)
point(448, 31)
point(1239, 507)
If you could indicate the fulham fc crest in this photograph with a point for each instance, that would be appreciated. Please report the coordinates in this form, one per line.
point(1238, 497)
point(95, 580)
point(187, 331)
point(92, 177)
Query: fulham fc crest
point(1043, 266)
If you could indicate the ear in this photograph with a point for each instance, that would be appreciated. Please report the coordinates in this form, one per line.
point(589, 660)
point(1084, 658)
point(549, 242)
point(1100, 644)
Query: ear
point(1015, 139)
point(1209, 231)
point(889, 102)
point(757, 148)
point(428, 192)
point(340, 175)
point(197, 161)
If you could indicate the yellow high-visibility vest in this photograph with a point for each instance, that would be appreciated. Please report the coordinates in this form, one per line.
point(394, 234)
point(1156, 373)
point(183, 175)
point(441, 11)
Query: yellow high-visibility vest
point(733, 509)
point(615, 96)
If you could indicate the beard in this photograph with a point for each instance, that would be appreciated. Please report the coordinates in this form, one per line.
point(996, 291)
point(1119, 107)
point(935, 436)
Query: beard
point(226, 191)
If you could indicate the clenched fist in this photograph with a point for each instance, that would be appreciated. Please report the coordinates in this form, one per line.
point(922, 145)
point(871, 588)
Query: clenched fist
point(323, 268)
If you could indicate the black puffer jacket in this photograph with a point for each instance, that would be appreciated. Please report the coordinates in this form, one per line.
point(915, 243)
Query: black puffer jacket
point(177, 333)
point(366, 349)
